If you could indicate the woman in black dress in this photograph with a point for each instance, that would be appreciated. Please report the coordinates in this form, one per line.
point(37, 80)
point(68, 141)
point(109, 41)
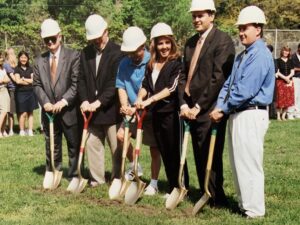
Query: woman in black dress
point(25, 98)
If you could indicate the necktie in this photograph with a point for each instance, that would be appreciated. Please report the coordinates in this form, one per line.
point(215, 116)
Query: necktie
point(193, 65)
point(53, 69)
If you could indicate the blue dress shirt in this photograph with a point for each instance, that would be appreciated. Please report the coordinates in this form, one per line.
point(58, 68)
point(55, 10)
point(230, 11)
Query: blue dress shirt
point(130, 76)
point(252, 80)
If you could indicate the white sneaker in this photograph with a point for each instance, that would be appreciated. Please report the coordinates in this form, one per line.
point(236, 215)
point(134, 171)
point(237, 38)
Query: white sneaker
point(150, 190)
point(4, 134)
point(11, 133)
point(22, 133)
point(73, 184)
point(30, 133)
point(129, 175)
point(48, 180)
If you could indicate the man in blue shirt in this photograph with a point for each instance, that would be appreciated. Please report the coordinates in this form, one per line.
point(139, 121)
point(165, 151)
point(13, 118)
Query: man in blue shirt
point(245, 96)
point(129, 80)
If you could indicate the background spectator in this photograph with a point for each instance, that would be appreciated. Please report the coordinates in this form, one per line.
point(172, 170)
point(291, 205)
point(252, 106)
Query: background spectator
point(25, 98)
point(9, 65)
point(284, 84)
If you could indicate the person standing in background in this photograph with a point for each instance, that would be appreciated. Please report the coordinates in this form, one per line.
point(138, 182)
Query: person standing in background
point(208, 59)
point(296, 79)
point(25, 98)
point(9, 66)
point(285, 94)
point(4, 98)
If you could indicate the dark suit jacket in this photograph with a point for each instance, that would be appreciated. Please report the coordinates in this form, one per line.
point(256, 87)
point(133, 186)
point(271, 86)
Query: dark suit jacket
point(100, 86)
point(213, 67)
point(65, 86)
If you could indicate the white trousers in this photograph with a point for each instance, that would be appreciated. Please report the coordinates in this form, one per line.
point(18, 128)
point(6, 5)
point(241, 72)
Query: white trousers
point(297, 96)
point(246, 134)
point(95, 147)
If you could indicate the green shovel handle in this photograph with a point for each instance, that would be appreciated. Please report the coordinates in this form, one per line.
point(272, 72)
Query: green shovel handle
point(50, 116)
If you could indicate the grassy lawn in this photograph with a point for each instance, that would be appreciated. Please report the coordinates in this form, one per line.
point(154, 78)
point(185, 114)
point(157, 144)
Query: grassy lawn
point(23, 200)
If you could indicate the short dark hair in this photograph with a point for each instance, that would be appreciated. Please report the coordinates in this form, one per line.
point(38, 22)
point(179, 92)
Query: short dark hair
point(299, 45)
point(261, 27)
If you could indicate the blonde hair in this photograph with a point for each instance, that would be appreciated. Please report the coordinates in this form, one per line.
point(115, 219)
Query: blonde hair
point(10, 57)
point(1, 62)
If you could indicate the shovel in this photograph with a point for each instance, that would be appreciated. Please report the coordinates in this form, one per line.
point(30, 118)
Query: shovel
point(82, 182)
point(56, 173)
point(207, 195)
point(119, 186)
point(178, 194)
point(135, 189)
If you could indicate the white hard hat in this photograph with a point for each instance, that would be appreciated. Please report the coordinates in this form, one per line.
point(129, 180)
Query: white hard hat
point(201, 5)
point(133, 37)
point(49, 28)
point(251, 14)
point(95, 26)
point(160, 29)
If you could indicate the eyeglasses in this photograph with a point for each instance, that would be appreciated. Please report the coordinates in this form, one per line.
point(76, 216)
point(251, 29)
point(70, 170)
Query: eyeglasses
point(52, 39)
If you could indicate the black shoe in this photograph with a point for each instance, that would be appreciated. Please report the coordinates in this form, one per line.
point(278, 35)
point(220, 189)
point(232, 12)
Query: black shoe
point(219, 203)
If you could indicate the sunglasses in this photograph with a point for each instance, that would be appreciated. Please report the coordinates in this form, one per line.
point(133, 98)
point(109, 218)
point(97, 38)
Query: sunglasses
point(52, 39)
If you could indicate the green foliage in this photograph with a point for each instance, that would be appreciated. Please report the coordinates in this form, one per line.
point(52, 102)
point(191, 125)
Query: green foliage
point(21, 18)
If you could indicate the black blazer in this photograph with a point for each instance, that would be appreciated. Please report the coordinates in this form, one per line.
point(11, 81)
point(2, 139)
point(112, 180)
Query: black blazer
point(213, 67)
point(168, 78)
point(101, 86)
point(65, 86)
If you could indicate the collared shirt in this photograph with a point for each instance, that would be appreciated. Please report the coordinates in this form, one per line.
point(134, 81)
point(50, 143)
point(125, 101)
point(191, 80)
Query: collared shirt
point(251, 81)
point(130, 76)
point(98, 56)
point(205, 34)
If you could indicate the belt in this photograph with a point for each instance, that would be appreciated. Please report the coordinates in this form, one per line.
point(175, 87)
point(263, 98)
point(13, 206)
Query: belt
point(252, 107)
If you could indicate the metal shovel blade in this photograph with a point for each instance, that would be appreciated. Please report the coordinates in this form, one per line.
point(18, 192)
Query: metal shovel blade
point(82, 183)
point(56, 179)
point(134, 192)
point(175, 197)
point(200, 204)
point(114, 189)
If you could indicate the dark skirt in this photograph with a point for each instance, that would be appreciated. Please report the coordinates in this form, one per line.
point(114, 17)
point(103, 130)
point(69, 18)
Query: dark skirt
point(26, 101)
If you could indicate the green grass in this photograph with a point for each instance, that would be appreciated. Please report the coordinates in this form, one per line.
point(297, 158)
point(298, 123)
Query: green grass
point(23, 201)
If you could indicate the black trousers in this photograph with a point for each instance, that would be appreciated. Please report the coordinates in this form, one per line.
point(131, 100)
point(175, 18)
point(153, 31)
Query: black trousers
point(167, 132)
point(201, 135)
point(72, 135)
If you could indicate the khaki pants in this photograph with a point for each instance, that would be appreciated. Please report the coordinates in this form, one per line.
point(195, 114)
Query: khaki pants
point(95, 147)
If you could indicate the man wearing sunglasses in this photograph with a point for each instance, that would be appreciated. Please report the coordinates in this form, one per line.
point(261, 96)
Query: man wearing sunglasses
point(97, 93)
point(55, 85)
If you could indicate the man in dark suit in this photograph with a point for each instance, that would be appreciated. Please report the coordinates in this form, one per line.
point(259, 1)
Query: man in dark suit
point(97, 92)
point(208, 59)
point(55, 85)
